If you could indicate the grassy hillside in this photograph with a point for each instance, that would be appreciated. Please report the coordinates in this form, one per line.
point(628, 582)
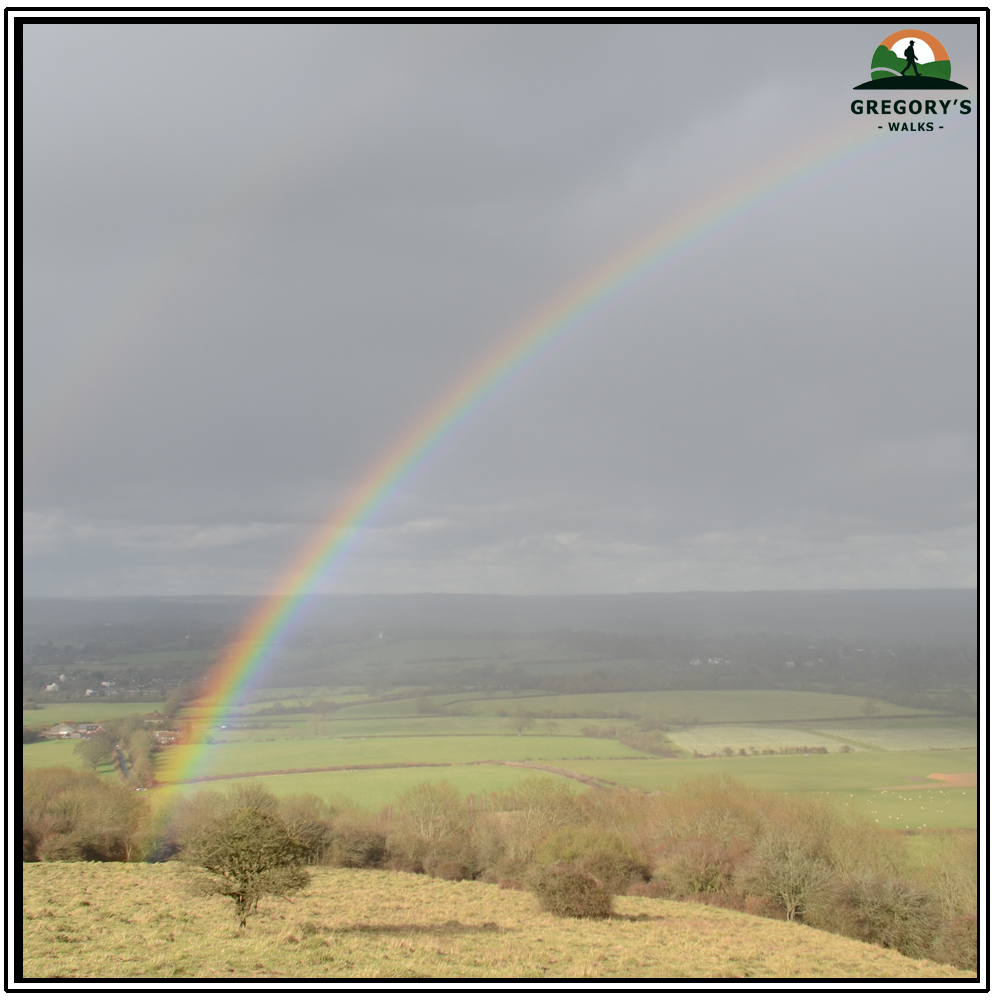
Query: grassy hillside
point(103, 921)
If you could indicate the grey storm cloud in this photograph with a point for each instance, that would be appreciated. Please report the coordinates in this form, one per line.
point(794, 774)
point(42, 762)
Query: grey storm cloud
point(255, 254)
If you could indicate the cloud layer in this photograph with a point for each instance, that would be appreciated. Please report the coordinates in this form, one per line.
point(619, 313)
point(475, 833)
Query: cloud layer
point(254, 255)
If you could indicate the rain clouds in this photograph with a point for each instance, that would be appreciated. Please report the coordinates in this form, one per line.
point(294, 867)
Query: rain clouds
point(255, 254)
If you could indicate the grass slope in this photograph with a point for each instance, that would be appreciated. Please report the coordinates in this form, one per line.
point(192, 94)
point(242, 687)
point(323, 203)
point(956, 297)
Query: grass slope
point(116, 921)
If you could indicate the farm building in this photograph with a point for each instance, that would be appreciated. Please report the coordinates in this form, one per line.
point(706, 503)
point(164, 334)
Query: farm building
point(72, 731)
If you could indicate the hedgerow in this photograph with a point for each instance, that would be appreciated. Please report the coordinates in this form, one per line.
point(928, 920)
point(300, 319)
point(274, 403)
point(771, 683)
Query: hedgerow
point(715, 841)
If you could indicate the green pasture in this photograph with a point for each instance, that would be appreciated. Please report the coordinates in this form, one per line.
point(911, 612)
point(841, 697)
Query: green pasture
point(87, 711)
point(452, 726)
point(57, 753)
point(373, 790)
point(411, 706)
point(917, 808)
point(302, 725)
point(242, 757)
point(851, 779)
point(692, 706)
point(294, 696)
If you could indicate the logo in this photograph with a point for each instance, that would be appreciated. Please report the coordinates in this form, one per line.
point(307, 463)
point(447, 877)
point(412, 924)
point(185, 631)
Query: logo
point(910, 60)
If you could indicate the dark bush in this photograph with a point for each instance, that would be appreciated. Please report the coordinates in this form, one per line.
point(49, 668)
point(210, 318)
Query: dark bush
point(895, 913)
point(72, 815)
point(611, 859)
point(310, 820)
point(512, 883)
point(566, 890)
point(958, 943)
point(61, 847)
point(702, 865)
point(653, 889)
point(357, 847)
point(447, 868)
point(616, 871)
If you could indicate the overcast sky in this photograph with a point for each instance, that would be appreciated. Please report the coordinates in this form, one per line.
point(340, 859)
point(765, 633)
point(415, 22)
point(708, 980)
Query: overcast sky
point(255, 254)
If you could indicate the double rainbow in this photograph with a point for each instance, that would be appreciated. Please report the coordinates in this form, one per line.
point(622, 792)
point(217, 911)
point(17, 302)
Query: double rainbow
point(523, 348)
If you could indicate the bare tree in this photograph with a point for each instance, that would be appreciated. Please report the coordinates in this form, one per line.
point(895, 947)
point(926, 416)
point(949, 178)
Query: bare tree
point(521, 721)
point(783, 867)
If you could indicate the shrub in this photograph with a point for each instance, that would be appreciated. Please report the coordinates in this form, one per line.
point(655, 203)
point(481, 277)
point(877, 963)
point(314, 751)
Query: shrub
point(179, 817)
point(958, 943)
point(785, 867)
point(357, 846)
point(702, 865)
point(84, 817)
point(566, 890)
point(614, 862)
point(953, 874)
point(859, 845)
point(653, 889)
point(895, 913)
point(246, 854)
point(310, 820)
point(431, 826)
point(61, 847)
point(449, 869)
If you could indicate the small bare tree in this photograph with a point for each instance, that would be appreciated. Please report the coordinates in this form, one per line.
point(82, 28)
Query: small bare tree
point(521, 721)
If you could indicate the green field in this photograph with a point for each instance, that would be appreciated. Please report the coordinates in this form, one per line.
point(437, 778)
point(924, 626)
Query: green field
point(57, 753)
point(233, 758)
point(893, 746)
point(87, 711)
point(375, 789)
point(688, 706)
point(298, 726)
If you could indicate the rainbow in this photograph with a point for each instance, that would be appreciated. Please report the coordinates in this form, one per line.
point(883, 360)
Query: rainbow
point(523, 348)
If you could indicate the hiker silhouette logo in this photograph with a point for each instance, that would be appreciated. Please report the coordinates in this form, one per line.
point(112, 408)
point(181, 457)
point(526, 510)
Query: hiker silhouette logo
point(910, 60)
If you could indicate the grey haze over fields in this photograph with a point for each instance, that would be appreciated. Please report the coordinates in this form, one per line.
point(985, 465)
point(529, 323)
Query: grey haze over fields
point(256, 254)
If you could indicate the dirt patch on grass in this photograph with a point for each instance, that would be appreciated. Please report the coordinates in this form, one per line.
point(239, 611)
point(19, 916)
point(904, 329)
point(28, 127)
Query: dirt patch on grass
point(961, 779)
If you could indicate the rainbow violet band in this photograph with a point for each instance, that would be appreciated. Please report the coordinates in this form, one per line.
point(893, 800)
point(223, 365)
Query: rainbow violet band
point(523, 348)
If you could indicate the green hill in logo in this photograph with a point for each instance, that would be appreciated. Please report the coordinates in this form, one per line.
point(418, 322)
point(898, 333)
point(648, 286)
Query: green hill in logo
point(910, 59)
point(886, 65)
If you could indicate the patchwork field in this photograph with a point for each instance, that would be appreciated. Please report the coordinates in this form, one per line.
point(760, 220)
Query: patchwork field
point(689, 706)
point(753, 739)
point(360, 751)
point(897, 738)
point(354, 753)
point(115, 921)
